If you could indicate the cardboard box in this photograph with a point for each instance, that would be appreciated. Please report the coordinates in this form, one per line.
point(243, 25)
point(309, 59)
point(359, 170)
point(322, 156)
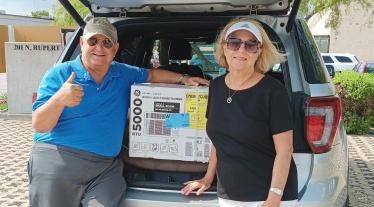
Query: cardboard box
point(167, 121)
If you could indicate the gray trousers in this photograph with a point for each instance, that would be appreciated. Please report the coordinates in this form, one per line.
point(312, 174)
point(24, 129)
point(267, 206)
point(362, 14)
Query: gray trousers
point(66, 177)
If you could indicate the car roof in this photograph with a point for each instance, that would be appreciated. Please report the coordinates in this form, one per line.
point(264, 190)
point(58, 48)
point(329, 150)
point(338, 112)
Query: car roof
point(157, 8)
point(207, 6)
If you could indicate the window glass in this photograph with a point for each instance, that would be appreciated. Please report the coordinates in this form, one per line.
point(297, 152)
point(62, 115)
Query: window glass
point(327, 59)
point(313, 65)
point(277, 68)
point(323, 42)
point(343, 59)
point(128, 51)
point(204, 57)
point(370, 68)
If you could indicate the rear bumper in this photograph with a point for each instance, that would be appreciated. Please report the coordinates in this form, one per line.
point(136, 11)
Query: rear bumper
point(315, 196)
point(137, 197)
point(319, 193)
point(326, 187)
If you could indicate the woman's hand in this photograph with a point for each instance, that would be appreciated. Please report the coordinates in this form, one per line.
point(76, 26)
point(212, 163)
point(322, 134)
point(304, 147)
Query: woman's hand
point(201, 185)
point(272, 201)
point(205, 182)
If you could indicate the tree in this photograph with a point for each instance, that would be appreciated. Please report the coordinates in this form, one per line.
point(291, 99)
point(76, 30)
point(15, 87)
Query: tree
point(40, 13)
point(334, 7)
point(62, 17)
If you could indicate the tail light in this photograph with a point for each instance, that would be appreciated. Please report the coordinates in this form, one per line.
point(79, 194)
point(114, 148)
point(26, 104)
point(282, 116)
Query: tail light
point(322, 118)
point(34, 96)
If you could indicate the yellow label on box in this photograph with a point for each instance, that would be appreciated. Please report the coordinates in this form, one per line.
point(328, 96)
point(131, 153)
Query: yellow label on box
point(195, 104)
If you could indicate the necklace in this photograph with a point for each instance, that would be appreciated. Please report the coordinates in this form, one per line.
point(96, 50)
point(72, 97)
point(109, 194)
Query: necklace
point(229, 98)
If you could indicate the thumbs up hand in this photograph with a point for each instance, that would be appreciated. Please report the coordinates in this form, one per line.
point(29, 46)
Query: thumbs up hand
point(70, 94)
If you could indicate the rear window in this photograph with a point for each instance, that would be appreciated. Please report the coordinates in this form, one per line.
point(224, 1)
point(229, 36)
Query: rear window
point(313, 65)
point(343, 59)
point(149, 46)
point(327, 59)
point(145, 43)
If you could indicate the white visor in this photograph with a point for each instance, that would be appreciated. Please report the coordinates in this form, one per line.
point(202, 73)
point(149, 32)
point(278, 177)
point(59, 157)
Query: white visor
point(248, 26)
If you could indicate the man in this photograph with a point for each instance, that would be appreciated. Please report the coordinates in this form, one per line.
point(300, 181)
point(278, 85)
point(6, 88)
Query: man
point(79, 115)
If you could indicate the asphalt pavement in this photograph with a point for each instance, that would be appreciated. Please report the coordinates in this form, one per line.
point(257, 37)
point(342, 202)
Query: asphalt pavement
point(16, 141)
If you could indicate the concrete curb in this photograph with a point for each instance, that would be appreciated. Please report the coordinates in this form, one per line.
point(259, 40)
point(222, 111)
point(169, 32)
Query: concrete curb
point(5, 115)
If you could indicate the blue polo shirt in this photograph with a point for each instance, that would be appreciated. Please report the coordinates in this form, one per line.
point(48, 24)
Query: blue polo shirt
point(97, 124)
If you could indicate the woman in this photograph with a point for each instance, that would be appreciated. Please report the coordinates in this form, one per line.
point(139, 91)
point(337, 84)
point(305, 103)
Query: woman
point(249, 123)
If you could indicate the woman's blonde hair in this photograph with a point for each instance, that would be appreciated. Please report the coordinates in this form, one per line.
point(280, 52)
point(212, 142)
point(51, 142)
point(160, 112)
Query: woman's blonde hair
point(268, 56)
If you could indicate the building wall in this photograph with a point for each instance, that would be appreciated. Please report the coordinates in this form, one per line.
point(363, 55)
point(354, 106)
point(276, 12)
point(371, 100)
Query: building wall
point(355, 34)
point(317, 25)
point(32, 46)
point(3, 39)
point(37, 34)
point(26, 29)
point(51, 34)
point(26, 65)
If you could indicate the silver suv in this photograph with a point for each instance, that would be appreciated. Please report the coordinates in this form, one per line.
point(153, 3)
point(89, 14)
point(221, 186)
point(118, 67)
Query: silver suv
point(320, 141)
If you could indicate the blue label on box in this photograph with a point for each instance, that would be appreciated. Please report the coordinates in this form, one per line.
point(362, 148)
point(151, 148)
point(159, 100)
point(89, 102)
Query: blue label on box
point(177, 120)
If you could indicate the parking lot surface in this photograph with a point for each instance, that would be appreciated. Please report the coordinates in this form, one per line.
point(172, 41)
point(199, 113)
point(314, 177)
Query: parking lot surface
point(16, 142)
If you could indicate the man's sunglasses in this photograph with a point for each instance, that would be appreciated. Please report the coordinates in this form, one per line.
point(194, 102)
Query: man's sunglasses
point(107, 43)
point(250, 46)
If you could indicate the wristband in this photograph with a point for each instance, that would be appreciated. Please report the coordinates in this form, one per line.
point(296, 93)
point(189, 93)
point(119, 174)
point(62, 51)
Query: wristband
point(277, 191)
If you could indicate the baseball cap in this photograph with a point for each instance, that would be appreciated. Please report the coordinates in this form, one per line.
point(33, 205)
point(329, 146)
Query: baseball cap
point(248, 26)
point(100, 25)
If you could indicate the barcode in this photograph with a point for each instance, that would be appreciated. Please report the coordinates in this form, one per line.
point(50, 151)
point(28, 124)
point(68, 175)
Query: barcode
point(206, 150)
point(188, 151)
point(155, 115)
point(157, 127)
point(155, 124)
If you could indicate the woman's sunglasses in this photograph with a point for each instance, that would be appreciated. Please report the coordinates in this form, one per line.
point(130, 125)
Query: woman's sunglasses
point(250, 46)
point(107, 43)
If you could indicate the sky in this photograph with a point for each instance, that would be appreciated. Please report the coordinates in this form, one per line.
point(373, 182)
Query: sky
point(25, 7)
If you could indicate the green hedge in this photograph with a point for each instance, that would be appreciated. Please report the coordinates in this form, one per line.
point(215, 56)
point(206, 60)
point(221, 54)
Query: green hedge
point(3, 102)
point(356, 91)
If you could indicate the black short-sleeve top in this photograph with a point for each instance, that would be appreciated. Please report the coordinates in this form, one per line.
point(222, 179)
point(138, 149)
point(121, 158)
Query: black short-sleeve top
point(242, 133)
